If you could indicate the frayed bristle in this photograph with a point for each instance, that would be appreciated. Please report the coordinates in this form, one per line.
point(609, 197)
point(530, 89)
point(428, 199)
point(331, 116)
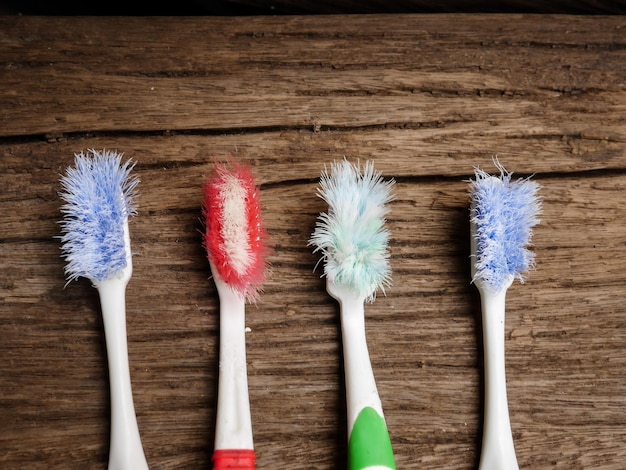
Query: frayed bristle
point(351, 235)
point(503, 214)
point(234, 235)
point(99, 194)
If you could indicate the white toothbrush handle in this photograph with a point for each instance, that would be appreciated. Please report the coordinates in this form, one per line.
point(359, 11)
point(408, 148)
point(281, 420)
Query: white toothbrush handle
point(126, 451)
point(361, 390)
point(498, 451)
point(369, 444)
point(233, 422)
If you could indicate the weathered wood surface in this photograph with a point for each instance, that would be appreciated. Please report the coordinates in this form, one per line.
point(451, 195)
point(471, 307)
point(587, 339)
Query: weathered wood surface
point(428, 98)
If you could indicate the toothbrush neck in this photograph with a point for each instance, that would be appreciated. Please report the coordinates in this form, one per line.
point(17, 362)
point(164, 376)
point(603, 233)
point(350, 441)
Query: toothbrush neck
point(233, 420)
point(361, 390)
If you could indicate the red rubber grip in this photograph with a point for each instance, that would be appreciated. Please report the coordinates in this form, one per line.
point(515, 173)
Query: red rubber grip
point(244, 459)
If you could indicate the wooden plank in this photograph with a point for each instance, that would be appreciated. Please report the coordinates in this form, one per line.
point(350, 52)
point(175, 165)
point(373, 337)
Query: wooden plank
point(428, 98)
point(317, 73)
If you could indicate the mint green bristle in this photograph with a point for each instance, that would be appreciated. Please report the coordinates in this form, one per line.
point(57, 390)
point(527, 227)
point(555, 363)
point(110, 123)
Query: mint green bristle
point(351, 235)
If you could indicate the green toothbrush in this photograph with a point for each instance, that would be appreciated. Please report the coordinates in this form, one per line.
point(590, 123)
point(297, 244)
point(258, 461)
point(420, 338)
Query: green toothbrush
point(353, 243)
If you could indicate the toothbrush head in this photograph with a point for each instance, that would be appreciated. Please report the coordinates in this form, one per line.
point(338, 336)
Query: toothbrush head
point(503, 214)
point(351, 235)
point(99, 195)
point(234, 236)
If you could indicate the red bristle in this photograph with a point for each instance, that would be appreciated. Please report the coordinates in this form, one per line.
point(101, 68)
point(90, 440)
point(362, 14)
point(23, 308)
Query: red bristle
point(249, 280)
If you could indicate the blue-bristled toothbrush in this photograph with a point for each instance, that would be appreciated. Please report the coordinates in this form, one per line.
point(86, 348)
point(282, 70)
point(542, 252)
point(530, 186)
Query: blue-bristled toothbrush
point(502, 215)
point(353, 242)
point(235, 242)
point(99, 197)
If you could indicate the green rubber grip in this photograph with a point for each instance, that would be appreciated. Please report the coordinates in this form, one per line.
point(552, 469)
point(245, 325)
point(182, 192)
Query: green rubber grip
point(369, 443)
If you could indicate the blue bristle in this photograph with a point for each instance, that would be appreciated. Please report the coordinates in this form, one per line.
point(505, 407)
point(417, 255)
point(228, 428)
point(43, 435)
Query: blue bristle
point(99, 194)
point(504, 213)
point(351, 235)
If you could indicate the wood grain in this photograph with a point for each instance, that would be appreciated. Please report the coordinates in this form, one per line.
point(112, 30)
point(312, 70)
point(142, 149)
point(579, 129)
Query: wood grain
point(428, 98)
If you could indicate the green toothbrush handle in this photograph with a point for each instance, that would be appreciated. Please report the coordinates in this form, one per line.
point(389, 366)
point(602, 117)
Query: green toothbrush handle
point(369, 446)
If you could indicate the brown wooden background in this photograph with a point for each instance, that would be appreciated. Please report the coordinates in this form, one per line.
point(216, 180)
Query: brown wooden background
point(427, 98)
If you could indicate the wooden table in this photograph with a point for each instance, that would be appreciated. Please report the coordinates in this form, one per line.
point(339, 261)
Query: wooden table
point(427, 98)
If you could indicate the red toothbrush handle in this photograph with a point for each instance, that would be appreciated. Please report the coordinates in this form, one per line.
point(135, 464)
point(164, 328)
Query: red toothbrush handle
point(242, 459)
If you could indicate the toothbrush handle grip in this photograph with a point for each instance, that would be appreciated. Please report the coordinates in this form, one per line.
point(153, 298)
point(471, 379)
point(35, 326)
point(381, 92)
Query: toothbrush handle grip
point(369, 445)
point(243, 459)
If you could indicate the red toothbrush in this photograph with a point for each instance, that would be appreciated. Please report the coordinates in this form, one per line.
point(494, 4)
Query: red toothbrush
point(235, 242)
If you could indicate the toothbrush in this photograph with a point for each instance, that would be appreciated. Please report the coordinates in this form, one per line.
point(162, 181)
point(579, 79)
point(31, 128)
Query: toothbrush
point(99, 197)
point(353, 244)
point(234, 240)
point(502, 216)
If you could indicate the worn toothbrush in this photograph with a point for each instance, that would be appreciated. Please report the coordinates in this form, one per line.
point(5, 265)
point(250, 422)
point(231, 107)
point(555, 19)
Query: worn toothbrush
point(99, 195)
point(234, 239)
point(502, 215)
point(353, 242)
